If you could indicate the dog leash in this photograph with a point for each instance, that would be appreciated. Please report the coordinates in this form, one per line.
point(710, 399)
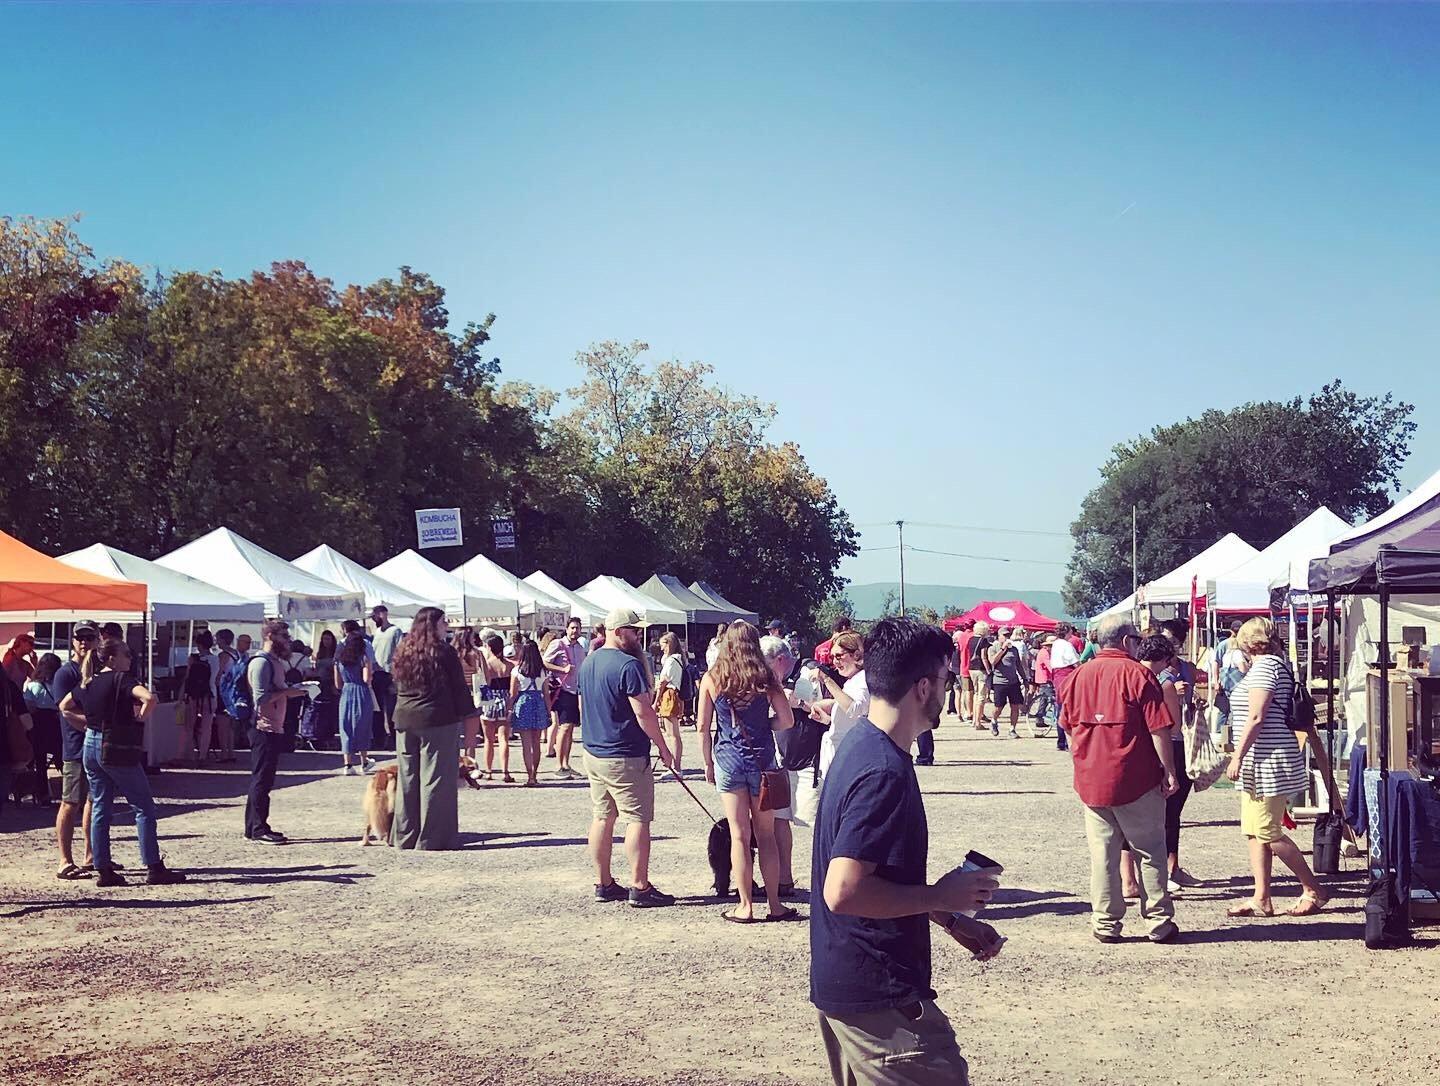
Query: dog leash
point(693, 796)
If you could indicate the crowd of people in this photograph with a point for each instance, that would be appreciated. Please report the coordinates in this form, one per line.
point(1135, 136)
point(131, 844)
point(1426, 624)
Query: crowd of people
point(830, 743)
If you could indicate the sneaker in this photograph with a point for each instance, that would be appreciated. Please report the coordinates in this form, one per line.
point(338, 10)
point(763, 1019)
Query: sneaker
point(649, 898)
point(367, 769)
point(613, 892)
point(1014, 734)
point(1184, 878)
point(160, 875)
point(1165, 933)
point(270, 837)
point(995, 730)
point(1173, 887)
point(569, 774)
point(1104, 938)
point(346, 771)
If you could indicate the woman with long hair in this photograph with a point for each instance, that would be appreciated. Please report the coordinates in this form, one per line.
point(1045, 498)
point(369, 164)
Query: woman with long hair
point(495, 705)
point(45, 725)
point(467, 647)
point(431, 701)
point(327, 705)
point(741, 694)
point(114, 759)
point(197, 702)
point(528, 710)
point(552, 684)
point(669, 706)
point(353, 675)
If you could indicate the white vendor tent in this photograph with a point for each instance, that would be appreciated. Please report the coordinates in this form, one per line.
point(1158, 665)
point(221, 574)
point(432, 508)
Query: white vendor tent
point(706, 591)
point(328, 563)
point(611, 592)
point(249, 571)
point(1177, 585)
point(484, 575)
point(172, 596)
point(1247, 586)
point(1125, 606)
point(424, 580)
point(589, 614)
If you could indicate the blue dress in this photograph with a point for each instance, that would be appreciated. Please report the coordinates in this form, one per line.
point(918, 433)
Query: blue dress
point(744, 743)
point(530, 712)
point(356, 709)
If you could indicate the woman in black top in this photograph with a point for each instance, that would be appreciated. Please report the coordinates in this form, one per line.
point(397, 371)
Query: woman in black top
point(197, 708)
point(114, 753)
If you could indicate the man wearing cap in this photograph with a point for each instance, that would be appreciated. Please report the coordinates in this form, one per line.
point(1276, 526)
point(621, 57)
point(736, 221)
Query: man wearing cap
point(74, 790)
point(617, 726)
point(384, 643)
point(564, 659)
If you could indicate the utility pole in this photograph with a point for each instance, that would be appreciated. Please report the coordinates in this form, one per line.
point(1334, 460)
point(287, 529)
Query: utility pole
point(1134, 562)
point(900, 526)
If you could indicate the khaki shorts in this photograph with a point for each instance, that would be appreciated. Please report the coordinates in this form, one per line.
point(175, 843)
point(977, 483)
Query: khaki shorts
point(74, 785)
point(621, 786)
point(1260, 816)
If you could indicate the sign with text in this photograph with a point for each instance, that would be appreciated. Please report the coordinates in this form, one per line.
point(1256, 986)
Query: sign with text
point(503, 525)
point(438, 528)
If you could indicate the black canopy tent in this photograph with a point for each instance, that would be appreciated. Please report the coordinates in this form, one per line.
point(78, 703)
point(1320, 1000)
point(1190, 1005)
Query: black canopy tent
point(672, 592)
point(705, 590)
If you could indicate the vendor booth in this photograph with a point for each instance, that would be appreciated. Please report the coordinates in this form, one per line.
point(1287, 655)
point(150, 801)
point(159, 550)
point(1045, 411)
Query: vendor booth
point(1127, 606)
point(589, 614)
point(708, 592)
point(537, 608)
point(1004, 613)
point(329, 564)
point(424, 580)
point(611, 592)
point(671, 591)
point(1245, 589)
point(1168, 593)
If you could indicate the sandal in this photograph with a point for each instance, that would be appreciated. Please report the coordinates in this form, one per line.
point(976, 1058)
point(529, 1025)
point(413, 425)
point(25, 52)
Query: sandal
point(1308, 905)
point(736, 919)
point(782, 916)
point(70, 873)
point(1248, 910)
point(508, 779)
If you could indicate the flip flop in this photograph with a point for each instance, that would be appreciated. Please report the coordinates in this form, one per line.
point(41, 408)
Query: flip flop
point(782, 916)
point(1238, 911)
point(739, 919)
point(1308, 905)
point(70, 873)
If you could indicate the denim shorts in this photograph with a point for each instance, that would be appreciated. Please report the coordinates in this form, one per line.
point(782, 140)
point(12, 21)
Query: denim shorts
point(734, 782)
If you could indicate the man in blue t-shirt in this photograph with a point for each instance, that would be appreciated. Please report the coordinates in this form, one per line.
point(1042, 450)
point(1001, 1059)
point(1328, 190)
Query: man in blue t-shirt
point(617, 725)
point(869, 922)
point(74, 790)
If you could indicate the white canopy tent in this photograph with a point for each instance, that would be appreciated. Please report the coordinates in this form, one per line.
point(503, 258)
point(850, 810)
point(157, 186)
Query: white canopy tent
point(248, 570)
point(1247, 586)
point(590, 614)
point(610, 592)
point(172, 596)
point(542, 608)
point(1177, 585)
point(1125, 606)
point(424, 580)
point(326, 562)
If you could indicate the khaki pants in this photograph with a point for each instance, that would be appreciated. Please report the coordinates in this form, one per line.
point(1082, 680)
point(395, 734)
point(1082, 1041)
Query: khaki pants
point(1139, 826)
point(427, 808)
point(892, 1048)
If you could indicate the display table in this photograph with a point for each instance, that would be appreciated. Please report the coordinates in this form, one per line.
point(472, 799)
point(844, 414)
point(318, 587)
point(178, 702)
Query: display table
point(1412, 824)
point(163, 741)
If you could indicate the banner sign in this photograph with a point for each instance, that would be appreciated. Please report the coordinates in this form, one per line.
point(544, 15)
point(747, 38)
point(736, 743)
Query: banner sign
point(438, 528)
point(503, 525)
point(320, 608)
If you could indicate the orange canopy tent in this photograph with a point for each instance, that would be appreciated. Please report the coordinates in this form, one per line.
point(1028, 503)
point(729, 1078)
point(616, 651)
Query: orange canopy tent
point(34, 585)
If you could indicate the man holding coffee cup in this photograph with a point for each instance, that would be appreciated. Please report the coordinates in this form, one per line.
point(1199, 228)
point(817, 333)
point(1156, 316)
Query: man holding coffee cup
point(870, 920)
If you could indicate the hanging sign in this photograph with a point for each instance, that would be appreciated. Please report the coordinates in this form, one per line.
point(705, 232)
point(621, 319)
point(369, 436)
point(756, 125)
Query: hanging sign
point(438, 528)
point(503, 525)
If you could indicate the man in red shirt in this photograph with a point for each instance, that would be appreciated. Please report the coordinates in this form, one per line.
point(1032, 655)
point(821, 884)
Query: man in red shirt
point(1119, 733)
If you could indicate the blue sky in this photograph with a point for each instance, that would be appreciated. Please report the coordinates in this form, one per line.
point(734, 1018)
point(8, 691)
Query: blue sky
point(930, 234)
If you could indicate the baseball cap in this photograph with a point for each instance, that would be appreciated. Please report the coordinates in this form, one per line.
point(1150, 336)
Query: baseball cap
point(621, 616)
point(84, 629)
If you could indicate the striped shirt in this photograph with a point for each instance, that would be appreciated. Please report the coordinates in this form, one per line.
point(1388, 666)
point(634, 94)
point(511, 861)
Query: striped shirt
point(1273, 765)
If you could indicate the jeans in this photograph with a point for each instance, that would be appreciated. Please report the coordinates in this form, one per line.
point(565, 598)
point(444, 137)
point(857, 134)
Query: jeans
point(926, 743)
point(131, 782)
point(383, 683)
point(265, 748)
point(1139, 826)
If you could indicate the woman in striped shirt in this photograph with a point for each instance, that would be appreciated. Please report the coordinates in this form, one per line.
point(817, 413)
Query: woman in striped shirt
point(1268, 767)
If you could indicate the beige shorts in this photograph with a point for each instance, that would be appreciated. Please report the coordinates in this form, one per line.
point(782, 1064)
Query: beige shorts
point(1261, 817)
point(623, 787)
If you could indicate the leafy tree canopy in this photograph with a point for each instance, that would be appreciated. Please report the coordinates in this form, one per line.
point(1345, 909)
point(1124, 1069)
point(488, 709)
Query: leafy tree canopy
point(1256, 471)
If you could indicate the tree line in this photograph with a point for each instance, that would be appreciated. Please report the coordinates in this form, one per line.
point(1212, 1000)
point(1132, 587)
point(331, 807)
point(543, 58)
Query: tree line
point(145, 411)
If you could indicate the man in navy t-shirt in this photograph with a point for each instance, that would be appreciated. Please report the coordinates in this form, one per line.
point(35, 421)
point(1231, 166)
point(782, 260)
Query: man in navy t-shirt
point(869, 925)
point(617, 725)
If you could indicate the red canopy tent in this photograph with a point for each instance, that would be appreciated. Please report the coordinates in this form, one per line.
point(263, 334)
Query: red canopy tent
point(1005, 613)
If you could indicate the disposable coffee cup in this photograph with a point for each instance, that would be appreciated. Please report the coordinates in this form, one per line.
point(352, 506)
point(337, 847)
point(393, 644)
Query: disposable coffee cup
point(978, 861)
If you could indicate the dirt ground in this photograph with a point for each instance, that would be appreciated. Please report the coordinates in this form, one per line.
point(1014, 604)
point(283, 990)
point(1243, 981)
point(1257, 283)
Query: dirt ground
point(325, 962)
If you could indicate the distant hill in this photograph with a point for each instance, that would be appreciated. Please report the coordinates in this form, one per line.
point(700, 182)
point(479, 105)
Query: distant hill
point(869, 598)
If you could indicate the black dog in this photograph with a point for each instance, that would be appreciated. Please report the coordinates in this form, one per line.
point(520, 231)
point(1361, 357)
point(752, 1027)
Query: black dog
point(717, 850)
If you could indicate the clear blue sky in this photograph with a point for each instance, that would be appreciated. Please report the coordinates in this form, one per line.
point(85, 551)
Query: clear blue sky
point(903, 224)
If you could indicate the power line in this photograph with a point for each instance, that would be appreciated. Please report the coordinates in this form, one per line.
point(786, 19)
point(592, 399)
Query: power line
point(985, 557)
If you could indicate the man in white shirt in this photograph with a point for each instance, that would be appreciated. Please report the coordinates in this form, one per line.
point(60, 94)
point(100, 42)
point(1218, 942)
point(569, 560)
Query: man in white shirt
point(563, 659)
point(384, 643)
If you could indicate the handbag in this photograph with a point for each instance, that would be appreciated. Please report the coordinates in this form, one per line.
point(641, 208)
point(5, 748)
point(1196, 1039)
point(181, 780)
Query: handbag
point(1204, 761)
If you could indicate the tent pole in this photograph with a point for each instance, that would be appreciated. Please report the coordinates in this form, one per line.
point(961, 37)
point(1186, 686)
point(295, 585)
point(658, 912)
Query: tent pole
point(1385, 723)
point(1330, 669)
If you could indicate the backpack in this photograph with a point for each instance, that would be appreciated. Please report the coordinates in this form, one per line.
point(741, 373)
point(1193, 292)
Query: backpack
point(1300, 713)
point(236, 696)
point(689, 682)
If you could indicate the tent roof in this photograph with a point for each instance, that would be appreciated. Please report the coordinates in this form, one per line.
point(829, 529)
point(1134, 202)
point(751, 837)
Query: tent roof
point(706, 591)
point(1412, 524)
point(1247, 586)
point(328, 563)
point(173, 596)
point(1127, 604)
point(588, 613)
point(611, 592)
point(488, 576)
point(1175, 587)
point(671, 591)
point(1005, 613)
point(32, 583)
point(249, 571)
point(424, 580)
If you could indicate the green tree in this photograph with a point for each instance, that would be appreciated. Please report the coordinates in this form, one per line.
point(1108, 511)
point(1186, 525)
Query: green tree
point(1256, 470)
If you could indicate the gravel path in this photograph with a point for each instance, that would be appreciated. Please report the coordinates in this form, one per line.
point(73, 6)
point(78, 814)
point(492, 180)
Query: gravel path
point(325, 962)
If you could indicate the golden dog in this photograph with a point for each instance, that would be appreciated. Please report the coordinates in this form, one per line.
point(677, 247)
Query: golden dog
point(379, 804)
